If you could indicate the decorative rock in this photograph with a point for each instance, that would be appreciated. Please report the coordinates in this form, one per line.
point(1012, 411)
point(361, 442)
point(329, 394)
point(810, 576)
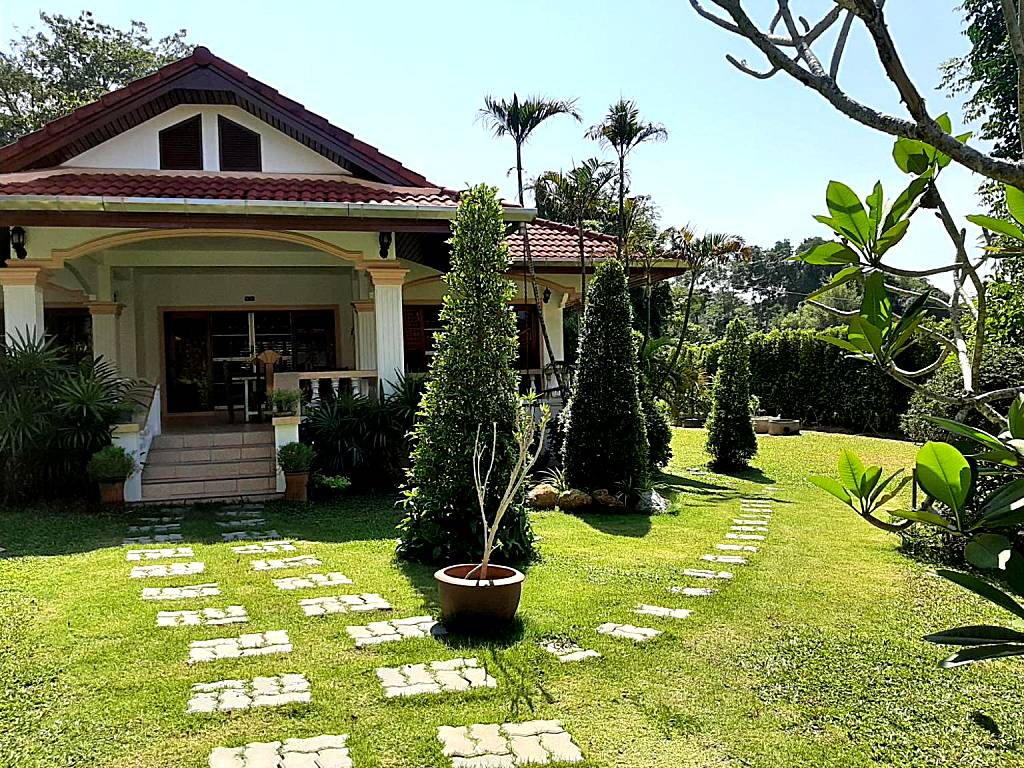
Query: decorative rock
point(604, 499)
point(736, 548)
point(745, 536)
point(702, 574)
point(250, 535)
point(299, 561)
point(264, 548)
point(160, 528)
point(665, 613)
point(255, 644)
point(211, 617)
point(628, 632)
point(171, 569)
point(692, 591)
point(567, 651)
point(543, 496)
point(652, 503)
point(226, 695)
point(180, 593)
point(137, 555)
point(436, 677)
point(729, 559)
point(574, 499)
point(160, 538)
point(323, 606)
point(245, 522)
point(377, 632)
point(537, 742)
point(312, 580)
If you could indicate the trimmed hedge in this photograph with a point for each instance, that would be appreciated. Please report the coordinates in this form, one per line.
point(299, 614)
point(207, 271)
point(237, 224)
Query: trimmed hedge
point(801, 376)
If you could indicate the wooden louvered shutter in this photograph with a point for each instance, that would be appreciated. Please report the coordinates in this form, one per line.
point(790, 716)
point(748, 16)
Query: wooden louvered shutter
point(239, 147)
point(181, 146)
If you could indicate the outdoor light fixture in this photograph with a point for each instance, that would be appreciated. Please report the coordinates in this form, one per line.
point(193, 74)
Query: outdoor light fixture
point(547, 295)
point(18, 242)
point(384, 238)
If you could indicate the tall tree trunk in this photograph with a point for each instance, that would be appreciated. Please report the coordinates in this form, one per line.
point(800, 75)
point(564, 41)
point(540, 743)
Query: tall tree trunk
point(682, 334)
point(583, 264)
point(622, 213)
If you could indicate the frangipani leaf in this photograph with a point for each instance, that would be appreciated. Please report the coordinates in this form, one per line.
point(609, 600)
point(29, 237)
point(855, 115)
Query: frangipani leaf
point(998, 226)
point(945, 475)
point(851, 470)
point(841, 277)
point(924, 516)
point(988, 550)
point(1015, 203)
point(965, 430)
point(980, 634)
point(1004, 508)
point(904, 202)
point(831, 486)
point(985, 590)
point(827, 254)
point(848, 212)
point(982, 653)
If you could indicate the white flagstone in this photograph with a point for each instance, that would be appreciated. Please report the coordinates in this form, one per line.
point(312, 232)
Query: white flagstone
point(228, 695)
point(168, 569)
point(243, 646)
point(150, 529)
point(744, 536)
point(316, 752)
point(749, 528)
point(435, 677)
point(730, 559)
point(210, 617)
point(736, 548)
point(628, 632)
point(299, 561)
point(137, 555)
point(323, 606)
point(250, 535)
point(160, 538)
point(665, 613)
point(692, 591)
point(252, 522)
point(313, 580)
point(264, 548)
point(705, 574)
point(566, 651)
point(507, 745)
point(180, 593)
point(377, 632)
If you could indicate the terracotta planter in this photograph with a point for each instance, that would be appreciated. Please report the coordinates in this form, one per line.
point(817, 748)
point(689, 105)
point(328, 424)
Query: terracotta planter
point(494, 600)
point(295, 485)
point(112, 492)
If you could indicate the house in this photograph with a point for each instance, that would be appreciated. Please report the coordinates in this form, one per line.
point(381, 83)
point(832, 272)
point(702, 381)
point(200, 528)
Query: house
point(188, 222)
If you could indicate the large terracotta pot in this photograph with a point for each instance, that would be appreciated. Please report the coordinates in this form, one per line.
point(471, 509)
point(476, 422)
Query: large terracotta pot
point(112, 492)
point(295, 486)
point(494, 599)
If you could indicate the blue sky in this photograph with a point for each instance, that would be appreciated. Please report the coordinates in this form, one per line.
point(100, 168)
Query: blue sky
point(746, 156)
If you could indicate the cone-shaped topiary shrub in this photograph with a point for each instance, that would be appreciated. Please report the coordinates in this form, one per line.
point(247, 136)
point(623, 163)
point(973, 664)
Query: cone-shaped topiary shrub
point(472, 383)
point(605, 438)
point(731, 439)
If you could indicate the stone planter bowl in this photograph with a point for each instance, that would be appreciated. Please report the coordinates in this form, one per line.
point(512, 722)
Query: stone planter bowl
point(761, 424)
point(780, 427)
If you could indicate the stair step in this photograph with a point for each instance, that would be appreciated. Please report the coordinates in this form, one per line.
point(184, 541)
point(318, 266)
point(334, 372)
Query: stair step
point(233, 487)
point(208, 470)
point(164, 455)
point(220, 439)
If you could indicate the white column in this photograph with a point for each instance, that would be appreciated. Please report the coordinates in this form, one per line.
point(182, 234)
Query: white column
point(23, 302)
point(129, 437)
point(553, 321)
point(365, 335)
point(105, 330)
point(389, 334)
point(286, 430)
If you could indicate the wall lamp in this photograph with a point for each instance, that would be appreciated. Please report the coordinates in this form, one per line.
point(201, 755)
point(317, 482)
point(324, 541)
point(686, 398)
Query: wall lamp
point(12, 238)
point(384, 238)
point(547, 295)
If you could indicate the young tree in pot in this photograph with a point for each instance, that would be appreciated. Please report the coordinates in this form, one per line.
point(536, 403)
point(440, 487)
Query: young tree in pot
point(484, 592)
point(295, 460)
point(110, 467)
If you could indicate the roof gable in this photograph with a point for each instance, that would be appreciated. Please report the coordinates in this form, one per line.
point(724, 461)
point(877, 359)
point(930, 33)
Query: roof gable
point(200, 78)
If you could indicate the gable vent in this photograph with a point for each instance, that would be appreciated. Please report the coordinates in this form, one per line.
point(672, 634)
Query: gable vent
point(239, 147)
point(181, 146)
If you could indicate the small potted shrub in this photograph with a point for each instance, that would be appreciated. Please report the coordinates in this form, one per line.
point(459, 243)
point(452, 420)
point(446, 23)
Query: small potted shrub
point(295, 460)
point(110, 467)
point(481, 592)
point(285, 402)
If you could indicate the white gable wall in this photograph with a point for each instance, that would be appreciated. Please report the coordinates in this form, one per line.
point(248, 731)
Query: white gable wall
point(139, 147)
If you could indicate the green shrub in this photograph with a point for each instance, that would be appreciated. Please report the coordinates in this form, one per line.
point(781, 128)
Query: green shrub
point(328, 487)
point(472, 385)
point(605, 436)
point(296, 457)
point(111, 464)
point(731, 439)
point(285, 401)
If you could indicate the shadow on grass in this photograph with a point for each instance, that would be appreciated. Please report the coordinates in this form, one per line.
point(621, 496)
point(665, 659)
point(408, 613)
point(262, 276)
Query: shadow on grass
point(630, 524)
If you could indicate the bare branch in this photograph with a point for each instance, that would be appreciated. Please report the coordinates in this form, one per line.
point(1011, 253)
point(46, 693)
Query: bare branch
point(837, 54)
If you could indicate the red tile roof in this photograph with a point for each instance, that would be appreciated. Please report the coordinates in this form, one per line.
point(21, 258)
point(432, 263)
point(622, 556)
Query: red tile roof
point(552, 241)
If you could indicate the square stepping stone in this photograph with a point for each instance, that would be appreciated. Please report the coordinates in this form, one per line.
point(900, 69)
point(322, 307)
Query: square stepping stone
point(160, 538)
point(251, 522)
point(736, 548)
point(168, 569)
point(264, 548)
point(749, 528)
point(207, 617)
point(435, 677)
point(250, 535)
point(506, 745)
point(151, 529)
point(180, 593)
point(728, 559)
point(377, 632)
point(665, 613)
point(698, 573)
point(744, 536)
point(138, 555)
point(323, 606)
point(228, 695)
point(567, 652)
point(628, 632)
point(299, 561)
point(316, 752)
point(313, 580)
point(692, 591)
point(243, 646)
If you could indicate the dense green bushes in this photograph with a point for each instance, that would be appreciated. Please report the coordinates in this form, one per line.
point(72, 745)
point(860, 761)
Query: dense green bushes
point(731, 439)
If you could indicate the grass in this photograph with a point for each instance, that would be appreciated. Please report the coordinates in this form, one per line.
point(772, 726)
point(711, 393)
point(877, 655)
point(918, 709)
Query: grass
point(810, 657)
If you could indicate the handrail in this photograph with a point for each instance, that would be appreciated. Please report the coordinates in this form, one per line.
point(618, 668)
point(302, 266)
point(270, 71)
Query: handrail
point(292, 379)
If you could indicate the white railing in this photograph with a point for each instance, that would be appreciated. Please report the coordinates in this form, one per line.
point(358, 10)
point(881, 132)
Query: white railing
point(136, 437)
point(358, 382)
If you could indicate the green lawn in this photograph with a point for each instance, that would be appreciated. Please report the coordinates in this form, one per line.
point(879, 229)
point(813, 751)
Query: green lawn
point(810, 657)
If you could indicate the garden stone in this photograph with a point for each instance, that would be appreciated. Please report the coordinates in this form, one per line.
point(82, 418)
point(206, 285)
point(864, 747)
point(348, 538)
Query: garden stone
point(729, 559)
point(436, 677)
point(160, 538)
point(377, 632)
point(299, 561)
point(254, 644)
point(323, 606)
point(692, 591)
point(538, 742)
point(162, 528)
point(652, 503)
point(736, 548)
point(226, 695)
point(180, 593)
point(264, 548)
point(574, 499)
point(628, 632)
point(704, 574)
point(568, 652)
point(171, 569)
point(604, 499)
point(137, 555)
point(250, 535)
point(543, 496)
point(665, 613)
point(745, 536)
point(241, 522)
point(313, 580)
point(210, 617)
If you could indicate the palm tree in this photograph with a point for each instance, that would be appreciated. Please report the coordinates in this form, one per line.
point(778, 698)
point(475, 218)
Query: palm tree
point(623, 130)
point(575, 197)
point(519, 119)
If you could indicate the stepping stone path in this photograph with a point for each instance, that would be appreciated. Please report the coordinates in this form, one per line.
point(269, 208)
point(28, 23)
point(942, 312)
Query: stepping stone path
point(728, 559)
point(171, 569)
point(703, 574)
point(164, 528)
point(227, 695)
point(377, 632)
point(567, 651)
point(244, 646)
point(241, 522)
point(692, 591)
point(745, 536)
point(160, 538)
point(209, 617)
point(736, 548)
point(250, 535)
point(180, 593)
point(137, 555)
point(322, 606)
point(628, 632)
point(317, 752)
point(312, 580)
point(264, 548)
point(436, 677)
point(665, 613)
point(298, 561)
point(536, 742)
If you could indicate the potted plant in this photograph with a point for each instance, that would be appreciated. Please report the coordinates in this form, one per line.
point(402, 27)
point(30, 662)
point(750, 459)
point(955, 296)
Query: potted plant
point(482, 591)
point(285, 401)
point(295, 460)
point(110, 467)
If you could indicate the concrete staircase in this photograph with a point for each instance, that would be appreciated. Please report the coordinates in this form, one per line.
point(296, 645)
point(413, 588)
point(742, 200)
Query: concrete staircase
point(210, 466)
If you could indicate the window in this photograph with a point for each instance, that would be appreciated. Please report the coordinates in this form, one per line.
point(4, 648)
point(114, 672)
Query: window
point(181, 146)
point(239, 147)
